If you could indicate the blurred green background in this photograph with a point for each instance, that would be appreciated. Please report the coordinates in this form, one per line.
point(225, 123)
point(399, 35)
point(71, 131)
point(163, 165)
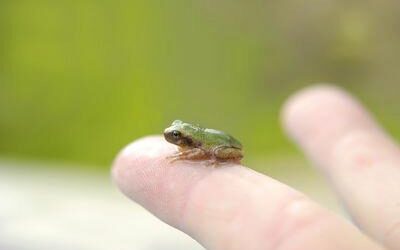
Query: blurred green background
point(80, 79)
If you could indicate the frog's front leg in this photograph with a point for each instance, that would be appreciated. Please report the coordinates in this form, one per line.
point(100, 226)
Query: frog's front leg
point(189, 154)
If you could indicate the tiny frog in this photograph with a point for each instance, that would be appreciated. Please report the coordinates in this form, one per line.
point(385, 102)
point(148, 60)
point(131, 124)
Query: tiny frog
point(197, 143)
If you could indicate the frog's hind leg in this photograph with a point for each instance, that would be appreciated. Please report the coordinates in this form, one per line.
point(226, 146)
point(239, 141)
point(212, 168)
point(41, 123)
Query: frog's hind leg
point(190, 154)
point(228, 154)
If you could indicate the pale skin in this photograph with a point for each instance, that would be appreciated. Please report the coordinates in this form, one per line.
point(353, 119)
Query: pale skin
point(234, 207)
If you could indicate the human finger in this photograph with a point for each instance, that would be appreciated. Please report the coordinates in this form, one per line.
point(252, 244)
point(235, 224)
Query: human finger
point(228, 207)
point(357, 157)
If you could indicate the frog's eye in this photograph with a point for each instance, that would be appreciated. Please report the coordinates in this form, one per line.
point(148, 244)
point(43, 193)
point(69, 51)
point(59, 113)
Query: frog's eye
point(176, 133)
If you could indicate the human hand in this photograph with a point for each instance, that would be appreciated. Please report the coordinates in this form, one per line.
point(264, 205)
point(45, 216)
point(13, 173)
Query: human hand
point(233, 207)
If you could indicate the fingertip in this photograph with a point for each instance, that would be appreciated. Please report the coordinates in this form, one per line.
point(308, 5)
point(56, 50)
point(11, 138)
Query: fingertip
point(320, 114)
point(306, 108)
point(144, 174)
point(138, 163)
point(127, 158)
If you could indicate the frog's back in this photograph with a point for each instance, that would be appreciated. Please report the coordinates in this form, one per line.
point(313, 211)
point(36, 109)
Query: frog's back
point(221, 138)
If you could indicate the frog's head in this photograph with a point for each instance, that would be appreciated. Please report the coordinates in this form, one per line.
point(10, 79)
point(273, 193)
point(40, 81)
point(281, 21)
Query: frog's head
point(180, 133)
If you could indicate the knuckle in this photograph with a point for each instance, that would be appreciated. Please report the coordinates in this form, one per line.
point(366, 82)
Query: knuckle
point(365, 149)
point(293, 219)
point(358, 149)
point(392, 236)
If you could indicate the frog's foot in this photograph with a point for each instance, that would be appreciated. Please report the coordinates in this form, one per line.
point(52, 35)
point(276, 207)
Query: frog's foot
point(191, 154)
point(221, 162)
point(216, 162)
point(213, 163)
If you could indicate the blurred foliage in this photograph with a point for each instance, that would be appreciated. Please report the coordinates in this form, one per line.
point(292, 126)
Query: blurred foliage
point(80, 79)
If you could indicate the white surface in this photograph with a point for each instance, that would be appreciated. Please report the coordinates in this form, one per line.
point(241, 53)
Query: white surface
point(41, 208)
